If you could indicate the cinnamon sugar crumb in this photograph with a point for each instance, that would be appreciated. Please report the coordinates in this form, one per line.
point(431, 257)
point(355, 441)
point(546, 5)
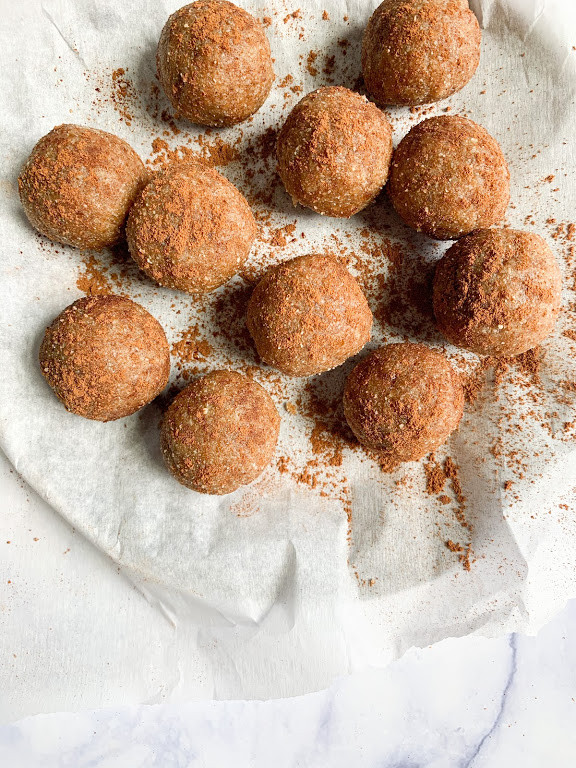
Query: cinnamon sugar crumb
point(93, 280)
point(312, 56)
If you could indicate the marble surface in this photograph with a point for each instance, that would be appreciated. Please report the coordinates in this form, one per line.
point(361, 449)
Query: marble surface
point(467, 702)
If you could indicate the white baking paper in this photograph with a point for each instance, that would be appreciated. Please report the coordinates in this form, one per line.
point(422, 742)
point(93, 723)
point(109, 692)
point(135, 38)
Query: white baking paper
point(274, 588)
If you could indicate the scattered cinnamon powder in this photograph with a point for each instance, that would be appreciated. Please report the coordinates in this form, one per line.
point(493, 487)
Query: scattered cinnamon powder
point(451, 472)
point(190, 347)
point(123, 95)
point(92, 279)
point(312, 56)
point(474, 382)
point(435, 477)
point(219, 152)
point(215, 152)
point(464, 553)
point(530, 363)
point(280, 236)
point(294, 15)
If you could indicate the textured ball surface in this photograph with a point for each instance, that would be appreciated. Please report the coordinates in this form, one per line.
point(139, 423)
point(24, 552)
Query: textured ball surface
point(497, 292)
point(214, 63)
point(78, 185)
point(449, 177)
point(105, 357)
point(219, 433)
point(419, 51)
point(308, 315)
point(334, 151)
point(190, 229)
point(404, 400)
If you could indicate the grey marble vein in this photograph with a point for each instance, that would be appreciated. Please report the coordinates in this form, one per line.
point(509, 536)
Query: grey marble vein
point(502, 705)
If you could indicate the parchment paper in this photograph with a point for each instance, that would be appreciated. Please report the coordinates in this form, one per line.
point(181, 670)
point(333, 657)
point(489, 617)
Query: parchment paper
point(281, 586)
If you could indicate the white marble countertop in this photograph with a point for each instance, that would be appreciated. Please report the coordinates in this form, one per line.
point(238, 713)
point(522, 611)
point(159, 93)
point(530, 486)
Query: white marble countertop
point(467, 702)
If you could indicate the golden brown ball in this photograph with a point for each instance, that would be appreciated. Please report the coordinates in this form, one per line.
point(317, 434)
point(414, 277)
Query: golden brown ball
point(214, 63)
point(190, 229)
point(219, 433)
point(308, 315)
point(105, 357)
point(334, 152)
point(403, 400)
point(78, 185)
point(449, 177)
point(497, 292)
point(419, 51)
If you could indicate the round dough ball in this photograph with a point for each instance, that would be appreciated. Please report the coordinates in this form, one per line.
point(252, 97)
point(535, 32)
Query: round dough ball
point(334, 152)
point(219, 433)
point(105, 357)
point(419, 51)
point(449, 177)
point(78, 185)
point(214, 63)
point(497, 292)
point(308, 315)
point(404, 400)
point(190, 229)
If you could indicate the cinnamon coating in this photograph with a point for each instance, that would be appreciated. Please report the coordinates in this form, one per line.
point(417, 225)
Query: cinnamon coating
point(105, 357)
point(78, 184)
point(334, 151)
point(190, 229)
point(214, 63)
point(403, 400)
point(449, 177)
point(308, 315)
point(219, 433)
point(497, 292)
point(419, 51)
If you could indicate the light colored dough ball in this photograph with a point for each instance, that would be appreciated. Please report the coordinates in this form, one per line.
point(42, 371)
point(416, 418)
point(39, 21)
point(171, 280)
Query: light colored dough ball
point(308, 315)
point(419, 51)
point(334, 152)
point(219, 433)
point(190, 229)
point(78, 185)
point(214, 63)
point(105, 357)
point(497, 292)
point(403, 400)
point(449, 177)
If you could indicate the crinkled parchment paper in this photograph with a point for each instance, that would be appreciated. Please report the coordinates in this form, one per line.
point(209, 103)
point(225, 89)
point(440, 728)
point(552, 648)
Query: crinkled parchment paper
point(282, 586)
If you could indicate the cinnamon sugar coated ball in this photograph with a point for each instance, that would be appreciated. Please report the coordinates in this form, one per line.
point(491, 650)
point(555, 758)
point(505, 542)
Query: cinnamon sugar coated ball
point(190, 229)
point(497, 292)
point(214, 63)
point(219, 433)
point(334, 151)
point(419, 51)
point(449, 177)
point(404, 400)
point(78, 184)
point(308, 315)
point(105, 357)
